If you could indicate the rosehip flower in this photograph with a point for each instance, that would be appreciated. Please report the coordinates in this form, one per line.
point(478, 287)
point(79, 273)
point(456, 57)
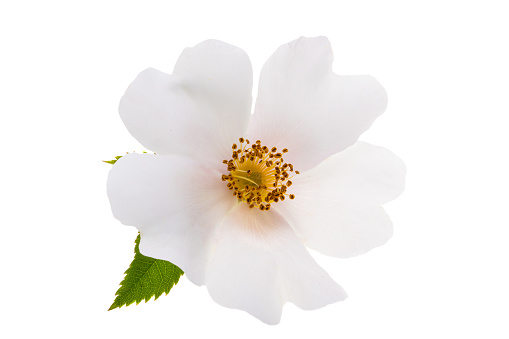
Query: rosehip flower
point(234, 198)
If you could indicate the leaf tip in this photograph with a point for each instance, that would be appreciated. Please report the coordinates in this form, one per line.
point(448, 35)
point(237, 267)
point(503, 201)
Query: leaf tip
point(112, 162)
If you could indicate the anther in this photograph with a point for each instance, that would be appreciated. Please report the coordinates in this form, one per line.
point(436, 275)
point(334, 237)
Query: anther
point(255, 177)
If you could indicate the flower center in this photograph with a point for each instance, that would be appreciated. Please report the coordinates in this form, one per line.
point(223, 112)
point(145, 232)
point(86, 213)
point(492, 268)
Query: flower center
point(258, 175)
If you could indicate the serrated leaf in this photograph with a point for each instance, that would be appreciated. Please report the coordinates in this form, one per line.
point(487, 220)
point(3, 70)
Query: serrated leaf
point(116, 158)
point(113, 161)
point(145, 278)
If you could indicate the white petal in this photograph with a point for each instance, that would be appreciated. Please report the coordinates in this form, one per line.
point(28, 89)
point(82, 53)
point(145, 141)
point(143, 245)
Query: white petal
point(335, 228)
point(362, 174)
point(259, 264)
point(303, 106)
point(199, 110)
point(159, 113)
point(141, 187)
point(335, 210)
point(174, 202)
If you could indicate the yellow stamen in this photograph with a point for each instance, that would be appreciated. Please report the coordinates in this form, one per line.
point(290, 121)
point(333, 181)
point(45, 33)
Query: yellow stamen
point(258, 175)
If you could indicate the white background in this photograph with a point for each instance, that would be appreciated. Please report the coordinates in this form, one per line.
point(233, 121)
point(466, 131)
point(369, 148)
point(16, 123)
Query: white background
point(65, 65)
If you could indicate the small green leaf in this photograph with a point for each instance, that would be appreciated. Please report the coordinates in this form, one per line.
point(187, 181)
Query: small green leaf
point(146, 277)
point(113, 161)
point(116, 158)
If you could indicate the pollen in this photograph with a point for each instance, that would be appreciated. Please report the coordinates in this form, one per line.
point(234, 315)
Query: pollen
point(258, 174)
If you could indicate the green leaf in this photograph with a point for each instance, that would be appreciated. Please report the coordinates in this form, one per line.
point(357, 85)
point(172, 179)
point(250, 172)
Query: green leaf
point(113, 161)
point(146, 277)
point(116, 158)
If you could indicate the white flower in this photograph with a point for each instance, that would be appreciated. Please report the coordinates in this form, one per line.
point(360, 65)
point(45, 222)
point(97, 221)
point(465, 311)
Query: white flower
point(252, 259)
